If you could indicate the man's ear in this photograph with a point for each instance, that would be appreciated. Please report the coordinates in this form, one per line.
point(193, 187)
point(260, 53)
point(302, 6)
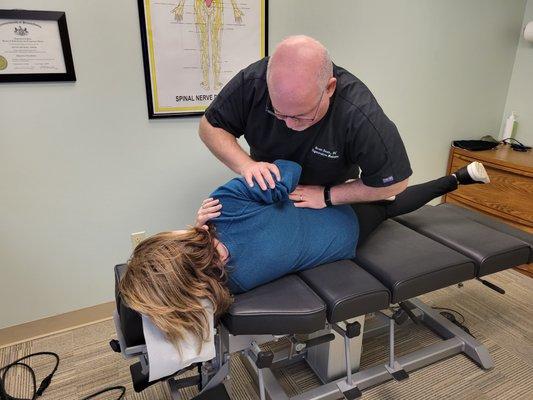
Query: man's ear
point(205, 227)
point(330, 88)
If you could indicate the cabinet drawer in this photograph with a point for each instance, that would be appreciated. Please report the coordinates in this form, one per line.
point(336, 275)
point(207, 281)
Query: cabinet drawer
point(509, 195)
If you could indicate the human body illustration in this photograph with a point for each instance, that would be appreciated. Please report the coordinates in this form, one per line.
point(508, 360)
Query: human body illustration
point(208, 17)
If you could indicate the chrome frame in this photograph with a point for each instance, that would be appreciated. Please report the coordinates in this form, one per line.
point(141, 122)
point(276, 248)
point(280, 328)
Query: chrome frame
point(216, 371)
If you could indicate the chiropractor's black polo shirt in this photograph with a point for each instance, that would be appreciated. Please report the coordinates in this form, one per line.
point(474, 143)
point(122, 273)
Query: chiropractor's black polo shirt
point(355, 133)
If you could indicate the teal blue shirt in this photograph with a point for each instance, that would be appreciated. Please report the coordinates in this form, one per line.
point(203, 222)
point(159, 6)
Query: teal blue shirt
point(268, 237)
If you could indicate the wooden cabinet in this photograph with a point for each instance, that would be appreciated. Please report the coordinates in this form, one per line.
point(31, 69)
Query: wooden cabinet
point(509, 196)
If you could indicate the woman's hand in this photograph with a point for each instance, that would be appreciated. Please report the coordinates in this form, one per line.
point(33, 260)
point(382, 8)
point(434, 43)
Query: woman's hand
point(209, 209)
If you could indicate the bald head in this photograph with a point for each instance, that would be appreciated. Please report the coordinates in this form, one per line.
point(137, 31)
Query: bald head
point(299, 65)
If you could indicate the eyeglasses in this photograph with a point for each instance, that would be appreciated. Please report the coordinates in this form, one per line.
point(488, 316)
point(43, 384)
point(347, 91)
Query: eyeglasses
point(294, 117)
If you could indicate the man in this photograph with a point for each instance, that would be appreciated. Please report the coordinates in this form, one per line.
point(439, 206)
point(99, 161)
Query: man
point(298, 106)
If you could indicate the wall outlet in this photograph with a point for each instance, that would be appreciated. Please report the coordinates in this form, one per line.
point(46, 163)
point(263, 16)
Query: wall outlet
point(136, 238)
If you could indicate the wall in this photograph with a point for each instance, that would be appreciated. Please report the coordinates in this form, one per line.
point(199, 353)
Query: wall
point(520, 96)
point(81, 167)
point(439, 68)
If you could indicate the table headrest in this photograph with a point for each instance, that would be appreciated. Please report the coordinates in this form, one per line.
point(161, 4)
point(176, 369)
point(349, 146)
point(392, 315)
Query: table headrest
point(130, 320)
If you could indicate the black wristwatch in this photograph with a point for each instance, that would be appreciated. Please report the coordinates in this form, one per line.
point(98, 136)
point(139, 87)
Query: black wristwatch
point(327, 196)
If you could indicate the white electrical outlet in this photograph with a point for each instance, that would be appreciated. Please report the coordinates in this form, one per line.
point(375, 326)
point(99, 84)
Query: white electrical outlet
point(137, 237)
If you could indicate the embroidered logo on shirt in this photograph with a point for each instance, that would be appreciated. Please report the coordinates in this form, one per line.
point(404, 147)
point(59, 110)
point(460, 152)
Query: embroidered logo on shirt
point(388, 179)
point(324, 153)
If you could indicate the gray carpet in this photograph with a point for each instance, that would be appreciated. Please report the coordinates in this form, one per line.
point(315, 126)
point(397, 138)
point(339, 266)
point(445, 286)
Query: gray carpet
point(503, 323)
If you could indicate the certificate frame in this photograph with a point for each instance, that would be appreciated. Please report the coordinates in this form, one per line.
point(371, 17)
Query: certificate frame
point(34, 15)
point(153, 51)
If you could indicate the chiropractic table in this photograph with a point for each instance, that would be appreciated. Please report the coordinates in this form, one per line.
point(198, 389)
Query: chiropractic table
point(322, 310)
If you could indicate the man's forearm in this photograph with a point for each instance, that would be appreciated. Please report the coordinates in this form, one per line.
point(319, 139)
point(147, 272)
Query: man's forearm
point(357, 192)
point(223, 145)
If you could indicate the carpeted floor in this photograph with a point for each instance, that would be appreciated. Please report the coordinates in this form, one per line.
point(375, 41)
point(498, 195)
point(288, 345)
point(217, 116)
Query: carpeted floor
point(503, 323)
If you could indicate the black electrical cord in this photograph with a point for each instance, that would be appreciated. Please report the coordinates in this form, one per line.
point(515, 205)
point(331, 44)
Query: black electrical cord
point(463, 319)
point(516, 144)
point(448, 313)
point(121, 388)
point(507, 140)
point(37, 392)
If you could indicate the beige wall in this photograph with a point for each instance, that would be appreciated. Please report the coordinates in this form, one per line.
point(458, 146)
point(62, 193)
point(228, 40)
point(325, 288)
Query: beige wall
point(520, 96)
point(81, 167)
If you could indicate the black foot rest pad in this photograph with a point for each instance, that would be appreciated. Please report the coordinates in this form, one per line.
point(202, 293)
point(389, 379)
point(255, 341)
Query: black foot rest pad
point(352, 394)
point(347, 289)
point(140, 381)
point(494, 224)
point(410, 264)
point(219, 392)
point(284, 306)
point(400, 375)
point(491, 249)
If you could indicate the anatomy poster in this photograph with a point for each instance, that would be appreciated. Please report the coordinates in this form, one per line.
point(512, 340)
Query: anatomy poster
point(192, 48)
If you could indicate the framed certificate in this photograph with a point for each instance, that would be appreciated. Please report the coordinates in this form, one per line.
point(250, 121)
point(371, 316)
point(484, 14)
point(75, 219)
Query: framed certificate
point(34, 46)
point(192, 48)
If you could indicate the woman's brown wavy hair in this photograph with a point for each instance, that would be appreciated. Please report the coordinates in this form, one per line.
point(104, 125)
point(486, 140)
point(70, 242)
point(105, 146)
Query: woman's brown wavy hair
point(167, 276)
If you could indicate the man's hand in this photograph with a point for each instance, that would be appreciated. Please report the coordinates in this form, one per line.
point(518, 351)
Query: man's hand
point(209, 209)
point(308, 196)
point(261, 171)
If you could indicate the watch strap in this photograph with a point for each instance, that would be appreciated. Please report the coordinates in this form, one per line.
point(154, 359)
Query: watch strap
point(327, 196)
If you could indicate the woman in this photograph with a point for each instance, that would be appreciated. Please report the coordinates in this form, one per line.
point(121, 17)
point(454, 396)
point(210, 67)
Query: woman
point(245, 237)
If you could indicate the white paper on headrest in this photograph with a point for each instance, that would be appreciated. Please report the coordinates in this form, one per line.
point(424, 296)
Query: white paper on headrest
point(164, 359)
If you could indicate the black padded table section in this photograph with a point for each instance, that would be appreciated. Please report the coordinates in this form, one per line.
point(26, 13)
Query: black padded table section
point(410, 264)
point(130, 320)
point(494, 224)
point(284, 306)
point(347, 289)
point(491, 249)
